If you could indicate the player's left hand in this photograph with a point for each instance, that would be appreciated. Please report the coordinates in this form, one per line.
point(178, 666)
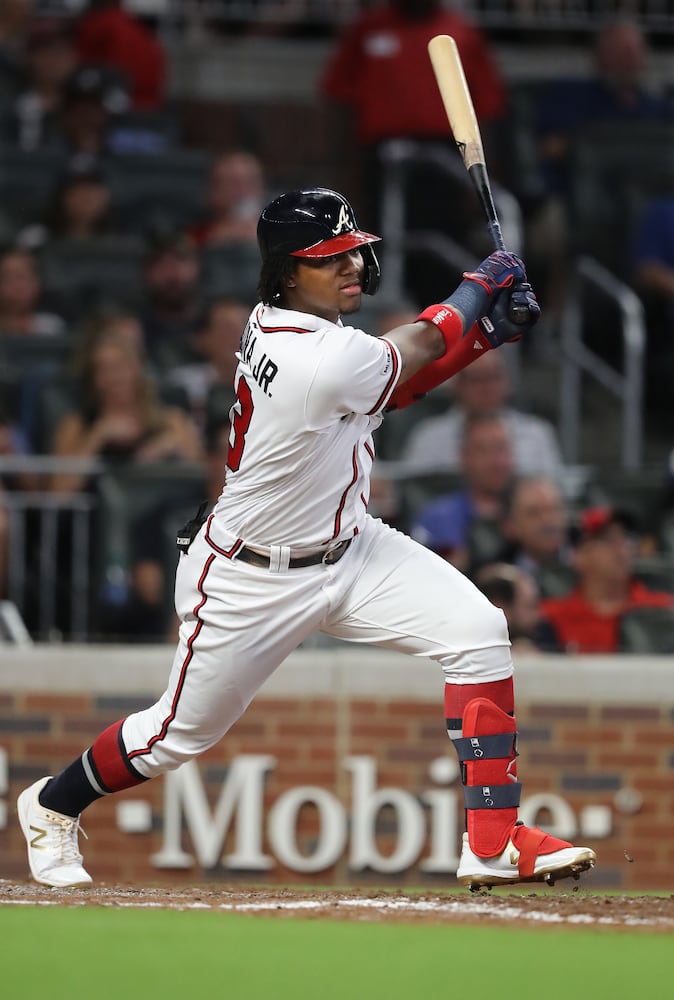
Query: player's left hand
point(499, 327)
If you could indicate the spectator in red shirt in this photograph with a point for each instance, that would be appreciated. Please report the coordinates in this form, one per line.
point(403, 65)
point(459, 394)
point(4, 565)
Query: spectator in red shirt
point(382, 73)
point(382, 69)
point(110, 36)
point(588, 619)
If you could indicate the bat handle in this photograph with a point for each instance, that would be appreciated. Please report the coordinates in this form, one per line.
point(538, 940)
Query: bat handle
point(494, 228)
point(517, 314)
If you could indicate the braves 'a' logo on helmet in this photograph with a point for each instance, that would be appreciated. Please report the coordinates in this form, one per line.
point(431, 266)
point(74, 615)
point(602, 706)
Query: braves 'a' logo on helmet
point(344, 222)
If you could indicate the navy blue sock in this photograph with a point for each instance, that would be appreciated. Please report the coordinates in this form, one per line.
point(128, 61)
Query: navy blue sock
point(70, 792)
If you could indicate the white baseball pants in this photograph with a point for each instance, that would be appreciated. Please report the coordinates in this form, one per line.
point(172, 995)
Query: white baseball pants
point(239, 622)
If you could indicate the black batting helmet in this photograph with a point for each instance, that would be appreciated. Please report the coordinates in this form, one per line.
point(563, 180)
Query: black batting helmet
point(312, 223)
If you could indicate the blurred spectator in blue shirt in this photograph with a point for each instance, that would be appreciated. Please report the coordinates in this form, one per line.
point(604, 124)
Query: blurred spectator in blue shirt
point(465, 526)
point(616, 92)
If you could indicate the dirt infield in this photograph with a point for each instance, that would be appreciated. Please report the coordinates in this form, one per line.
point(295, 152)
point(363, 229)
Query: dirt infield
point(536, 907)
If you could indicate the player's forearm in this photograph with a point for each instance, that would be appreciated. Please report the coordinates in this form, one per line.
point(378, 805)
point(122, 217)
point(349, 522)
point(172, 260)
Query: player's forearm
point(457, 356)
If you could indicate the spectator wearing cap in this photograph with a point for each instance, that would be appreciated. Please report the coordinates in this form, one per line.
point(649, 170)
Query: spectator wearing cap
point(50, 58)
point(588, 619)
point(92, 99)
point(465, 526)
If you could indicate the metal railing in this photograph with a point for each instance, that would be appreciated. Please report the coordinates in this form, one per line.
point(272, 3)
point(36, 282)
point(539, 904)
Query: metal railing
point(39, 521)
point(577, 359)
point(398, 239)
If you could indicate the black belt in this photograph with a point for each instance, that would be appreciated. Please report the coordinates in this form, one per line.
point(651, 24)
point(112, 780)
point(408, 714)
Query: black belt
point(327, 556)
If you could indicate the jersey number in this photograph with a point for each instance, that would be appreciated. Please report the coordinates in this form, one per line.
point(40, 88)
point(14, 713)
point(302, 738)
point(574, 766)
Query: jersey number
point(242, 413)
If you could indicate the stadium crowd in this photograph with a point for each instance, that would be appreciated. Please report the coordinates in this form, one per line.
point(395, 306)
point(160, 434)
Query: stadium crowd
point(129, 264)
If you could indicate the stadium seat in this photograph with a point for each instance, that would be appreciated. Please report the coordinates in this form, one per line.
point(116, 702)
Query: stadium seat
point(81, 274)
point(159, 492)
point(647, 630)
point(27, 182)
point(167, 188)
point(231, 271)
point(615, 167)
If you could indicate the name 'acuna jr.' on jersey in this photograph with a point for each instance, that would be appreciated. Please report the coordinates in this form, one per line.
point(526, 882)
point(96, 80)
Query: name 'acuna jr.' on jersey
point(309, 394)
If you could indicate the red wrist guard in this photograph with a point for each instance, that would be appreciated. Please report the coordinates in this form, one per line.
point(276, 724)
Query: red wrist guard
point(449, 322)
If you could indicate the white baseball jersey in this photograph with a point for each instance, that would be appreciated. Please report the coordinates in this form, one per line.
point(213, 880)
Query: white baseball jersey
point(309, 395)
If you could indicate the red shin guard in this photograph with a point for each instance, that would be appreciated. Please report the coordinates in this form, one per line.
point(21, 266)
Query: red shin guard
point(487, 751)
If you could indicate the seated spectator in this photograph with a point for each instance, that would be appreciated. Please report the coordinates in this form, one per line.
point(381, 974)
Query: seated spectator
point(79, 209)
point(449, 524)
point(515, 592)
point(20, 297)
point(588, 619)
point(535, 528)
point(111, 36)
point(50, 58)
point(484, 387)
point(212, 378)
point(119, 418)
point(616, 91)
point(236, 196)
point(172, 304)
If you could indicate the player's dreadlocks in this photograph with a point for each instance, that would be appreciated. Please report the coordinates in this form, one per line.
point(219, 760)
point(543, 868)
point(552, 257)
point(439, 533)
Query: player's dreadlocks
point(275, 271)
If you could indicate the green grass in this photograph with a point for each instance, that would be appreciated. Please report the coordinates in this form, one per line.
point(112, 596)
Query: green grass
point(102, 953)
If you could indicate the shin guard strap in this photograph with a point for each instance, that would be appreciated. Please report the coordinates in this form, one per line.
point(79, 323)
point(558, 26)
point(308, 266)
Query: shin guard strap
point(486, 747)
point(492, 796)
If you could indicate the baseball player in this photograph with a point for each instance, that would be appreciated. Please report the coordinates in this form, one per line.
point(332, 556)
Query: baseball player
point(289, 547)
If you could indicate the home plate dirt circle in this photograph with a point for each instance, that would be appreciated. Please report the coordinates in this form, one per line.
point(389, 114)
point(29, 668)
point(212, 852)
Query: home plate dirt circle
point(541, 907)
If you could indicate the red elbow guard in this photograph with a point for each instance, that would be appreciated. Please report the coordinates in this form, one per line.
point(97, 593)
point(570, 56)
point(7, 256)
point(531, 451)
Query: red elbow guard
point(462, 349)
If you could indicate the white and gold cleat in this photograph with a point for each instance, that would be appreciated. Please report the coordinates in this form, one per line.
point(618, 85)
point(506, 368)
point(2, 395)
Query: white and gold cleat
point(53, 853)
point(539, 857)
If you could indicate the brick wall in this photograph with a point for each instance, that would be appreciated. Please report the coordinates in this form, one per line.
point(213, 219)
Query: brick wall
point(595, 743)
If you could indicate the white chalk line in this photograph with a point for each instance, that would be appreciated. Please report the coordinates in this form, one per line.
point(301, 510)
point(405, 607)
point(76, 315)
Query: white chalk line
point(465, 908)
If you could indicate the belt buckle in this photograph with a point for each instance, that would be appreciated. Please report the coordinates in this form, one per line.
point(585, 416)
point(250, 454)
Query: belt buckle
point(330, 555)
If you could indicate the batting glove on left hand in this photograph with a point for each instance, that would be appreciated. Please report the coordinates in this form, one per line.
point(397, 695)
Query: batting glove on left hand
point(497, 271)
point(499, 327)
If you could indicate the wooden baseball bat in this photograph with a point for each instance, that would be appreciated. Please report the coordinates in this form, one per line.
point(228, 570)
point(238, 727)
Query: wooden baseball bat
point(458, 104)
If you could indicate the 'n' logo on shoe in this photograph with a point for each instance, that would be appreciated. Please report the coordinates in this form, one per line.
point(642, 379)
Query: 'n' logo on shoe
point(40, 835)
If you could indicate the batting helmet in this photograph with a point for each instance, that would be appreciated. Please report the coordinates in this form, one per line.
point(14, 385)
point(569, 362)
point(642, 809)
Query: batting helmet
point(312, 223)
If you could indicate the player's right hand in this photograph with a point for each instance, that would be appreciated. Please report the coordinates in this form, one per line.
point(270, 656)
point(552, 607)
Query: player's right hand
point(497, 271)
point(499, 327)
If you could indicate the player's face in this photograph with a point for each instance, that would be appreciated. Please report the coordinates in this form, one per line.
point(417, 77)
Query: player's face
point(327, 286)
